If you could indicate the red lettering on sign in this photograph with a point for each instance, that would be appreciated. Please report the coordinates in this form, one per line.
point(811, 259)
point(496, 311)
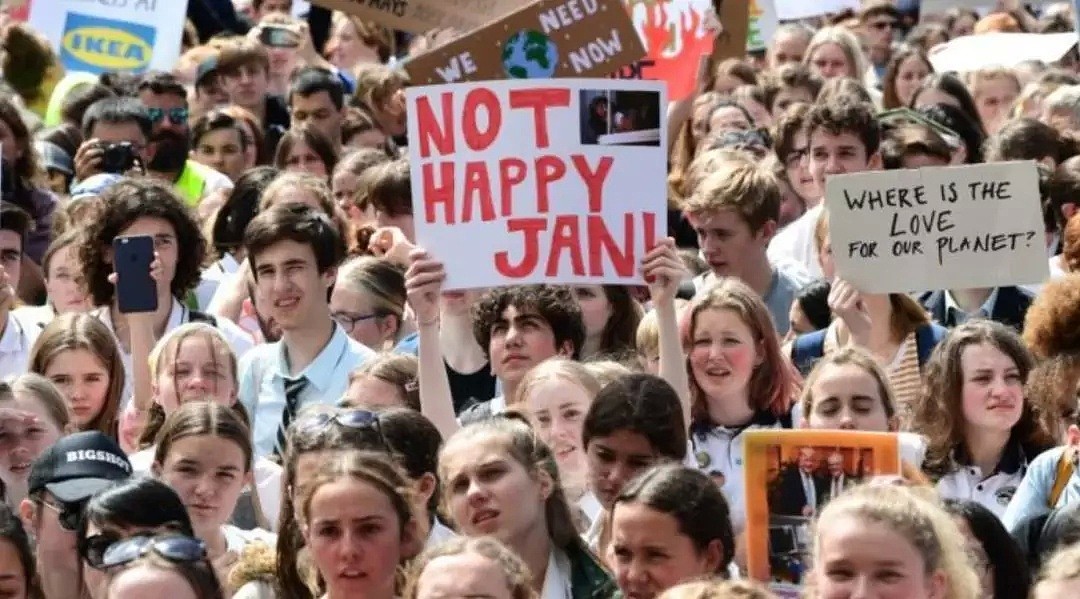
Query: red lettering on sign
point(531, 227)
point(594, 179)
point(565, 238)
point(539, 100)
point(511, 172)
point(549, 169)
point(433, 130)
point(438, 193)
point(478, 140)
point(477, 190)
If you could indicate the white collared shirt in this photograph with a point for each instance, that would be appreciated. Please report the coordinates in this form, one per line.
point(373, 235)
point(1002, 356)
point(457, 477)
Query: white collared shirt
point(557, 583)
point(438, 534)
point(239, 341)
point(994, 492)
point(984, 311)
point(15, 345)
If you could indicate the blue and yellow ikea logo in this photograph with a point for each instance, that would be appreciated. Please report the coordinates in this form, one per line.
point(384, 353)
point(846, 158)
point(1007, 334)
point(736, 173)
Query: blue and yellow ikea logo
point(97, 45)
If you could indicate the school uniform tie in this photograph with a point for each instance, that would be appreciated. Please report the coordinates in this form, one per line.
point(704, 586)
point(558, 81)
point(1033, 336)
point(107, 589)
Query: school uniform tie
point(293, 388)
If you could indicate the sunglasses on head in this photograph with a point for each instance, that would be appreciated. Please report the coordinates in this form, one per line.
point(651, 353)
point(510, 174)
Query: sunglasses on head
point(67, 514)
point(349, 418)
point(178, 116)
point(174, 548)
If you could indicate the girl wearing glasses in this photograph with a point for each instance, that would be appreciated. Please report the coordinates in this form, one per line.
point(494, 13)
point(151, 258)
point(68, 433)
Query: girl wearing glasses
point(368, 301)
point(80, 356)
point(357, 521)
point(194, 363)
point(204, 453)
point(171, 566)
point(502, 480)
point(131, 508)
point(49, 419)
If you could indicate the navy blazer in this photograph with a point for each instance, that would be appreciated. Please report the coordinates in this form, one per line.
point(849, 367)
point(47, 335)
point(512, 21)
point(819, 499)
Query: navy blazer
point(1010, 308)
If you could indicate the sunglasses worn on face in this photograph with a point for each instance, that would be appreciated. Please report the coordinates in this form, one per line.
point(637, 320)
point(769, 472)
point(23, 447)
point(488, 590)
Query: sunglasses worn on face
point(67, 514)
point(173, 548)
point(178, 116)
point(92, 549)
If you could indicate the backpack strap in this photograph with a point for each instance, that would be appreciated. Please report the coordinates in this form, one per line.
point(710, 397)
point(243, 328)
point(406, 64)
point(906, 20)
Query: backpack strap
point(807, 349)
point(1062, 473)
point(927, 337)
point(203, 317)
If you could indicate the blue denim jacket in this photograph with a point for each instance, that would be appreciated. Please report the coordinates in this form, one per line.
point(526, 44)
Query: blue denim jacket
point(1033, 494)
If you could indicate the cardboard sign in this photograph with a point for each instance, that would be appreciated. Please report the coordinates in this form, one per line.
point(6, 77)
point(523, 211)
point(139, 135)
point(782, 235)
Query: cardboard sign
point(419, 16)
point(789, 475)
point(676, 34)
point(790, 10)
point(935, 228)
point(973, 52)
point(98, 37)
point(734, 31)
point(557, 181)
point(547, 39)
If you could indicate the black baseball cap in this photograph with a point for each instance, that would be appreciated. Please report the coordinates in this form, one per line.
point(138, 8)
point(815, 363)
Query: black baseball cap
point(79, 465)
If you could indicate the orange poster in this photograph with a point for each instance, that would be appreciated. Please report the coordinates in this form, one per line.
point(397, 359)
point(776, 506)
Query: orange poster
point(790, 476)
point(676, 33)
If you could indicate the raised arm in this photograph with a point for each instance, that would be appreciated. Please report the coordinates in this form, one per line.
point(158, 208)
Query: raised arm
point(664, 271)
point(423, 285)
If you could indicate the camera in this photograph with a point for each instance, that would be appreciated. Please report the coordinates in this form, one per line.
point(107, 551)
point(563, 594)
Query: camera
point(118, 158)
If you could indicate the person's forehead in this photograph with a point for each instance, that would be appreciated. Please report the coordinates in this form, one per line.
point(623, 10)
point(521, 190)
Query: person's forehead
point(314, 99)
point(166, 100)
point(117, 131)
point(149, 225)
point(10, 240)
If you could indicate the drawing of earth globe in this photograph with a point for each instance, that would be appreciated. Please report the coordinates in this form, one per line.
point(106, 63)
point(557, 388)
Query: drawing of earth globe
point(530, 54)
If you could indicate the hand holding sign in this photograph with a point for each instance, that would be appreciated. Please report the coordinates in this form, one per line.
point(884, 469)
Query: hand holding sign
point(423, 286)
point(663, 271)
point(846, 303)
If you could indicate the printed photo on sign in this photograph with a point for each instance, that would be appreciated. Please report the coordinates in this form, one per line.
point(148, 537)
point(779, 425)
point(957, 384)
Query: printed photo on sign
point(505, 192)
point(790, 477)
point(958, 227)
point(620, 118)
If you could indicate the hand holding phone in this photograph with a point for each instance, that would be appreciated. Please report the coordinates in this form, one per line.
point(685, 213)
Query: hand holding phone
point(136, 290)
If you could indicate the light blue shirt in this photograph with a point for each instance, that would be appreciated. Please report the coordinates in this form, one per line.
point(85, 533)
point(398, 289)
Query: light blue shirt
point(1033, 495)
point(262, 382)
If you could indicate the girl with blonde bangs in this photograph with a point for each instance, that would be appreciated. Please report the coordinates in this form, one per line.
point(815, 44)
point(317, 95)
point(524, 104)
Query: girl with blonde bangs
point(555, 396)
point(460, 566)
point(876, 529)
point(835, 52)
point(1061, 575)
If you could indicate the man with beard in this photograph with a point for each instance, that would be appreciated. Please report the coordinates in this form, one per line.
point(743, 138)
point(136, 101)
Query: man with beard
point(166, 104)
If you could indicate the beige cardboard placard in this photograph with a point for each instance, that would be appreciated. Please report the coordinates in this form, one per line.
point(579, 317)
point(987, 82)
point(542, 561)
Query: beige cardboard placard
point(414, 16)
point(547, 39)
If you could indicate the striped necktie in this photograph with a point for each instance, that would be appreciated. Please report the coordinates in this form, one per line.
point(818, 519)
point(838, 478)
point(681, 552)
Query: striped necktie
point(293, 388)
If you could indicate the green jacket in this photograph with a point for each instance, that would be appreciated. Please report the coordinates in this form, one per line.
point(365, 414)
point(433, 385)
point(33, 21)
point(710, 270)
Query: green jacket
point(588, 579)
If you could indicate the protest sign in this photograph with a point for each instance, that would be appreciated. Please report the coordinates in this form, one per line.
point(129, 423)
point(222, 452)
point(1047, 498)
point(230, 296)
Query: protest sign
point(790, 10)
point(547, 39)
point(676, 34)
point(763, 24)
point(97, 37)
point(557, 181)
point(973, 52)
point(958, 227)
point(419, 16)
point(16, 10)
point(789, 475)
point(734, 31)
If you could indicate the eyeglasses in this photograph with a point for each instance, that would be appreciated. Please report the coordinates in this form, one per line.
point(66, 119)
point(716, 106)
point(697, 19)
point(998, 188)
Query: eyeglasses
point(356, 419)
point(178, 116)
point(67, 514)
point(92, 549)
point(349, 321)
point(174, 548)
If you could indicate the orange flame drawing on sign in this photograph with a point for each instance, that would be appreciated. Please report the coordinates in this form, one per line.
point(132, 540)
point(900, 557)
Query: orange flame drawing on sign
point(675, 38)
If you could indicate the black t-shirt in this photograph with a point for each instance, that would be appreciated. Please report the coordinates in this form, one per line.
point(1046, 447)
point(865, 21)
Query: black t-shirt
point(277, 122)
point(472, 388)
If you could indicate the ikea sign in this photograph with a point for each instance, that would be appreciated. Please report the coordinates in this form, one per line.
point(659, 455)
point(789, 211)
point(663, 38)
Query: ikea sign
point(97, 45)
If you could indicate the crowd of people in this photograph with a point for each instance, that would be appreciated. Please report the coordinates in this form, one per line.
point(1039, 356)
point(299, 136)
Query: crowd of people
point(310, 412)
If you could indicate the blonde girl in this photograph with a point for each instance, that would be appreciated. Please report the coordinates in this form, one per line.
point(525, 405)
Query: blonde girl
point(464, 567)
point(204, 453)
point(387, 380)
point(739, 380)
point(194, 363)
point(555, 395)
point(51, 419)
point(357, 522)
point(981, 431)
point(888, 541)
point(78, 353)
point(835, 52)
point(501, 480)
point(1061, 575)
point(368, 301)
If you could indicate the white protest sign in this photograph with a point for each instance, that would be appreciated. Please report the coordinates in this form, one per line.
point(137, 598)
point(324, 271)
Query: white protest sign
point(763, 24)
point(127, 35)
point(973, 52)
point(551, 181)
point(935, 228)
point(789, 10)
